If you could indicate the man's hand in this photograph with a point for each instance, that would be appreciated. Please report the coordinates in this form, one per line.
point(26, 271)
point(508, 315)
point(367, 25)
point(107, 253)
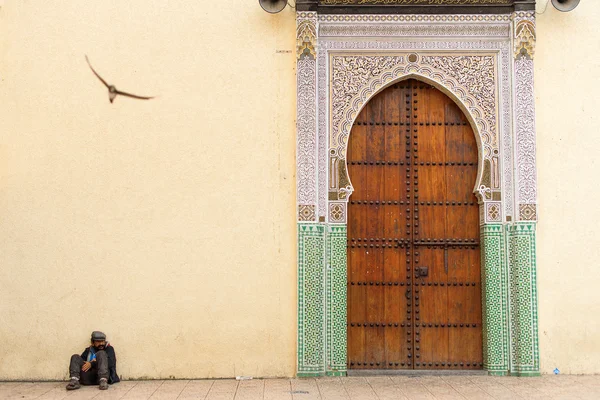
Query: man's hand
point(86, 366)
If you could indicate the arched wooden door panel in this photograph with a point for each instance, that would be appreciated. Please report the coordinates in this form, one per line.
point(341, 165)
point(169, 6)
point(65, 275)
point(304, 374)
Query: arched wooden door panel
point(414, 294)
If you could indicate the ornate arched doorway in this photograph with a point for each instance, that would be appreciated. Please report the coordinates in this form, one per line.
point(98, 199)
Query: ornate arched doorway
point(484, 62)
point(414, 270)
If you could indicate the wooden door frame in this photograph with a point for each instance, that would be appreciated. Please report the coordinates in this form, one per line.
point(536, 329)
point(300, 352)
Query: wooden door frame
point(485, 64)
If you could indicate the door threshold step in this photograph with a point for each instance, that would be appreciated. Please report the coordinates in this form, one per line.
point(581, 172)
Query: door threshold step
point(416, 372)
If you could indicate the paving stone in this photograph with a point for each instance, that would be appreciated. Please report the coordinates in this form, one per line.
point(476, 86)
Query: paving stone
point(548, 387)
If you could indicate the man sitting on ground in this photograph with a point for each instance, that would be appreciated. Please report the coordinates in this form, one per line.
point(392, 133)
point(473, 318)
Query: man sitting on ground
point(97, 365)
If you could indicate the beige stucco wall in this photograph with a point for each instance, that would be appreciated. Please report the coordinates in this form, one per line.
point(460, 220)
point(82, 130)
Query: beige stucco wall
point(568, 141)
point(168, 223)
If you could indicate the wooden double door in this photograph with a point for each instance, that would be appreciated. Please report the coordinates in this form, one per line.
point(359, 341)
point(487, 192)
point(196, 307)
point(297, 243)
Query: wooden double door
point(414, 273)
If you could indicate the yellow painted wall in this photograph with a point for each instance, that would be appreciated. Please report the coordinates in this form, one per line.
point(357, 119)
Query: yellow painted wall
point(168, 223)
point(568, 143)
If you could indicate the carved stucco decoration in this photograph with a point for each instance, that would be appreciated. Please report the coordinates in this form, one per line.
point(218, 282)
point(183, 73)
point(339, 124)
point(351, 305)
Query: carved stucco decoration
point(419, 18)
point(306, 76)
point(524, 39)
point(471, 79)
point(393, 30)
point(306, 39)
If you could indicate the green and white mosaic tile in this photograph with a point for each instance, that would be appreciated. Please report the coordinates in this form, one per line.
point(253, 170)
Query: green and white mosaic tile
point(311, 256)
point(494, 278)
point(336, 343)
point(510, 326)
point(523, 299)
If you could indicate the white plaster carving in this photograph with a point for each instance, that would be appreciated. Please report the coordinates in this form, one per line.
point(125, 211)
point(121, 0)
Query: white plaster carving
point(322, 133)
point(506, 155)
point(525, 122)
point(390, 30)
point(493, 212)
point(355, 78)
point(328, 47)
point(326, 149)
point(462, 19)
point(306, 118)
point(524, 46)
point(477, 75)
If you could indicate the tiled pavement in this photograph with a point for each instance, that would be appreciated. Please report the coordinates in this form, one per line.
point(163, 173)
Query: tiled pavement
point(355, 388)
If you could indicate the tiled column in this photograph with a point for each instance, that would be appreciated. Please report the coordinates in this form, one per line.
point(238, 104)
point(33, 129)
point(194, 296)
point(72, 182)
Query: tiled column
point(521, 234)
point(311, 235)
point(311, 300)
point(336, 300)
point(494, 280)
point(523, 299)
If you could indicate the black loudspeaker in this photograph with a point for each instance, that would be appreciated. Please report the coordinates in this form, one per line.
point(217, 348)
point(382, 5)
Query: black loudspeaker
point(273, 6)
point(565, 5)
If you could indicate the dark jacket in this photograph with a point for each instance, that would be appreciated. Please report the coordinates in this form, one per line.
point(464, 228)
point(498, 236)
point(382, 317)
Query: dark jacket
point(112, 362)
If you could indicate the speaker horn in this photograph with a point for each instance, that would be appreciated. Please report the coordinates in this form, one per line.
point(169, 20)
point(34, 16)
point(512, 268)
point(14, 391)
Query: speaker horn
point(273, 6)
point(565, 5)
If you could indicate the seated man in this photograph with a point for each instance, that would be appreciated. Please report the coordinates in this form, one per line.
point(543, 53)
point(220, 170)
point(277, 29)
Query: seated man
point(96, 365)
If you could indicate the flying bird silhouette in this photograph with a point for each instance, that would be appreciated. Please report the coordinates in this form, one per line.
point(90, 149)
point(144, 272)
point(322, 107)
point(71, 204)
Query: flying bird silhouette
point(112, 90)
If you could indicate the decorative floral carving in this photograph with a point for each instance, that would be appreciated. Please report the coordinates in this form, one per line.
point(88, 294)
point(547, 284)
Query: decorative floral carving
point(414, 30)
point(306, 39)
point(493, 212)
point(506, 117)
point(527, 212)
point(524, 39)
point(525, 130)
point(356, 77)
point(350, 75)
point(306, 76)
point(334, 132)
point(306, 213)
point(337, 212)
point(434, 18)
point(476, 74)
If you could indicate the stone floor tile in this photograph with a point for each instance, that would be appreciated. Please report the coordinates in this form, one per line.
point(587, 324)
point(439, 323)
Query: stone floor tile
point(412, 387)
point(142, 391)
point(442, 390)
point(116, 391)
point(278, 389)
point(326, 388)
point(85, 393)
point(332, 389)
point(196, 390)
point(468, 389)
point(223, 389)
point(358, 388)
point(169, 390)
point(15, 389)
point(29, 390)
point(250, 389)
point(224, 386)
point(305, 389)
point(220, 396)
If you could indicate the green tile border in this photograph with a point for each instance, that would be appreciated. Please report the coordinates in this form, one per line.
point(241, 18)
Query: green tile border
point(525, 359)
point(311, 301)
point(336, 343)
point(494, 296)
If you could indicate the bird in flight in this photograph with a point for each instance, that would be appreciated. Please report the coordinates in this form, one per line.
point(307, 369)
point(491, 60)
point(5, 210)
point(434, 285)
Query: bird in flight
point(112, 90)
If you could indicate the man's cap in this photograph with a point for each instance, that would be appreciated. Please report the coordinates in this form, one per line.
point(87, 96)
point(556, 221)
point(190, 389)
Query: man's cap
point(97, 335)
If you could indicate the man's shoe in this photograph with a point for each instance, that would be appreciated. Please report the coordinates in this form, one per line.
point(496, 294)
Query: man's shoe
point(103, 384)
point(73, 384)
